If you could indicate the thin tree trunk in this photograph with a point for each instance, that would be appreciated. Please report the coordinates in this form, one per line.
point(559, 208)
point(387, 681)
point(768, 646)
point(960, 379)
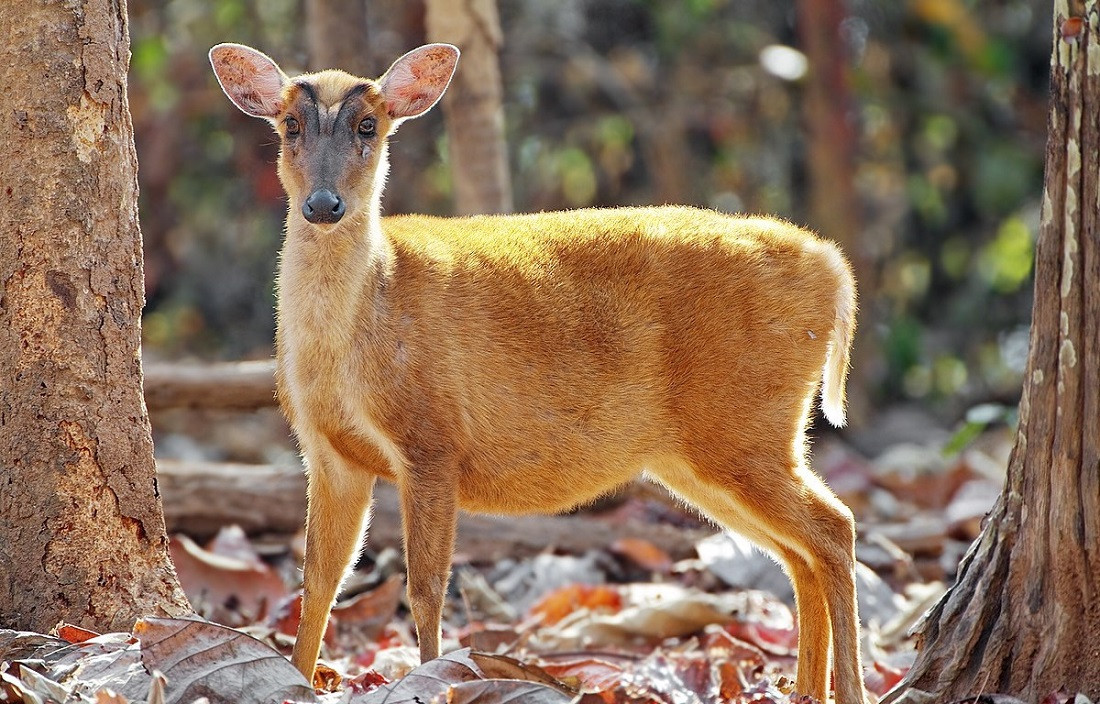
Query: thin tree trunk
point(336, 31)
point(81, 530)
point(472, 105)
point(831, 145)
point(1023, 616)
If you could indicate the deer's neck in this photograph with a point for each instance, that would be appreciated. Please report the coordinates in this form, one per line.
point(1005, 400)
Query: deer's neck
point(331, 285)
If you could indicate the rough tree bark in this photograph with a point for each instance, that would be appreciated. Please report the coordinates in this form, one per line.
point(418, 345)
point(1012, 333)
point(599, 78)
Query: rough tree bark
point(336, 31)
point(81, 530)
point(472, 105)
point(1023, 615)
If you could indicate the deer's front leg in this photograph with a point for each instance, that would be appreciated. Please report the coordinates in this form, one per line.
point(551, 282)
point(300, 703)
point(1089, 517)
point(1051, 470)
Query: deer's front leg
point(335, 521)
point(428, 509)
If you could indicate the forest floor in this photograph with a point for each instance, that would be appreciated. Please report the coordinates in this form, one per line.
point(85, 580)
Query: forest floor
point(625, 622)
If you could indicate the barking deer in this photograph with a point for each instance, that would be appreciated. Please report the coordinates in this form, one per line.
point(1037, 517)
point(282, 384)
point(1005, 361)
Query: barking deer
point(531, 363)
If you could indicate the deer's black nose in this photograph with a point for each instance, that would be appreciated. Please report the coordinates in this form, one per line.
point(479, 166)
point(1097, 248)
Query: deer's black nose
point(323, 206)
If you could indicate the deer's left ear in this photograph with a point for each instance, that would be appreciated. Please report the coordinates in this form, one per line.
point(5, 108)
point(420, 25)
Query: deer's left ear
point(417, 80)
point(250, 78)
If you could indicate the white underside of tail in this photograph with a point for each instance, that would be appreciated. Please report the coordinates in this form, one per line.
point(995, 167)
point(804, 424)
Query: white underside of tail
point(840, 339)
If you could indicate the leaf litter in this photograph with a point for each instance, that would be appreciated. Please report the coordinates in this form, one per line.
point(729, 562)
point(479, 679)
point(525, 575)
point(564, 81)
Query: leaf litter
point(621, 626)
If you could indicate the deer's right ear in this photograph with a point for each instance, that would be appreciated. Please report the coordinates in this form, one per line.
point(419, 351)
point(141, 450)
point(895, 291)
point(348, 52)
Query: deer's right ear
point(250, 78)
point(417, 80)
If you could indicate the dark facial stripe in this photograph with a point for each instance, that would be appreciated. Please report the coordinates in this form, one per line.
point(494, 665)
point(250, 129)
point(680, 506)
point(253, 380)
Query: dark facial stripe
point(350, 103)
point(308, 88)
point(324, 153)
point(312, 118)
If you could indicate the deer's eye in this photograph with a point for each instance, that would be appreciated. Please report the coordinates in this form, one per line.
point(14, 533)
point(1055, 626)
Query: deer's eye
point(292, 126)
point(367, 127)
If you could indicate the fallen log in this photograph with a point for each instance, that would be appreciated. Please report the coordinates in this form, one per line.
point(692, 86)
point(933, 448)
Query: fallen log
point(200, 497)
point(240, 386)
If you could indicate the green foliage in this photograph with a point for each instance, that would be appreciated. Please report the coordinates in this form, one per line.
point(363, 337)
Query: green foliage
point(149, 62)
point(977, 419)
point(1006, 175)
point(1005, 262)
point(902, 347)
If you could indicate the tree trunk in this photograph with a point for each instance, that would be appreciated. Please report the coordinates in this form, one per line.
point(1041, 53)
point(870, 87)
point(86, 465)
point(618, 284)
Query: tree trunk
point(472, 105)
point(336, 31)
point(81, 530)
point(1023, 616)
point(831, 146)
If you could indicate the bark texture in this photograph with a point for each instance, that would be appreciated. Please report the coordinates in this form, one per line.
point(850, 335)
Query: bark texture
point(1023, 616)
point(336, 31)
point(81, 530)
point(472, 105)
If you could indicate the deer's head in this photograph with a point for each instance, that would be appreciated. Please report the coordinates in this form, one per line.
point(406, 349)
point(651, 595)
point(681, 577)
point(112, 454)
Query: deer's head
point(333, 125)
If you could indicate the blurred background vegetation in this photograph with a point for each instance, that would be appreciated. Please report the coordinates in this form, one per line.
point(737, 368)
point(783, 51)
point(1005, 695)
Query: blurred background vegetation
point(925, 159)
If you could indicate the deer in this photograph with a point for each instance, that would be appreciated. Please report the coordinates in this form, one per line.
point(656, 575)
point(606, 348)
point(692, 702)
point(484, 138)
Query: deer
point(531, 363)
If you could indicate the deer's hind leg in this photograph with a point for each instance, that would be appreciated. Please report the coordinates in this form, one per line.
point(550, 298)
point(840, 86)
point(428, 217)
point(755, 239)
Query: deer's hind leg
point(784, 507)
point(429, 514)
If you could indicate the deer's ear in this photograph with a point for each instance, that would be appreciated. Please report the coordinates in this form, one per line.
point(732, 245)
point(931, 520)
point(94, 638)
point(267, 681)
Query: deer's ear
point(417, 80)
point(250, 78)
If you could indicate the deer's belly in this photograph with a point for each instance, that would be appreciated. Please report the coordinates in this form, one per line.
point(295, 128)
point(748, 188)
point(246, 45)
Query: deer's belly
point(534, 484)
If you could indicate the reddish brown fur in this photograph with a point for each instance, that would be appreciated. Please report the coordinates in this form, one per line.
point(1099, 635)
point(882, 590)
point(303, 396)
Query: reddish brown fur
point(532, 363)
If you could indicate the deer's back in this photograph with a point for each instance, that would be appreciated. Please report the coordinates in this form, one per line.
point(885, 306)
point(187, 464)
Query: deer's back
point(581, 346)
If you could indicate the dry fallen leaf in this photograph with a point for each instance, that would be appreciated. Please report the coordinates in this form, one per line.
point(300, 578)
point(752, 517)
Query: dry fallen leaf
point(432, 678)
point(505, 692)
point(23, 645)
point(969, 505)
point(365, 616)
point(594, 672)
point(393, 663)
point(668, 673)
point(287, 615)
point(781, 641)
point(109, 661)
point(199, 659)
point(502, 667)
point(742, 565)
point(366, 682)
point(230, 586)
point(42, 687)
point(685, 675)
point(488, 637)
point(643, 553)
point(560, 603)
point(921, 474)
point(74, 634)
point(653, 612)
point(527, 581)
point(882, 678)
point(325, 678)
point(232, 542)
